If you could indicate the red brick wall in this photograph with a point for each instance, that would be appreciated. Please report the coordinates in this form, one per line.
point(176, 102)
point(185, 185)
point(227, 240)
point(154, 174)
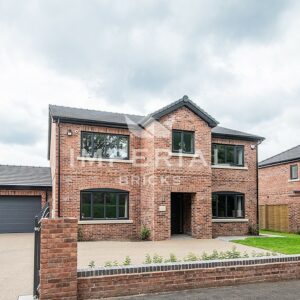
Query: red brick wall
point(26, 192)
point(237, 180)
point(145, 198)
point(275, 187)
point(58, 268)
point(131, 284)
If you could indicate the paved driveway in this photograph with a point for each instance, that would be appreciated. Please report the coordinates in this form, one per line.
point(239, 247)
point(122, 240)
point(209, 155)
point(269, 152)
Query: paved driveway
point(16, 265)
point(284, 290)
point(103, 251)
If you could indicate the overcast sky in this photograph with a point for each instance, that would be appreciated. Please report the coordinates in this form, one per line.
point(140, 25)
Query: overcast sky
point(238, 59)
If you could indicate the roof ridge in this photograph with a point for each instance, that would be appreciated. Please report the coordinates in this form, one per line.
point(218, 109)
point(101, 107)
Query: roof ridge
point(95, 110)
point(279, 153)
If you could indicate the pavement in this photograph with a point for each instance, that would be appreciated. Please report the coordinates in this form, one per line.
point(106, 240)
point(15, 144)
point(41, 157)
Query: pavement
point(181, 245)
point(283, 290)
point(16, 265)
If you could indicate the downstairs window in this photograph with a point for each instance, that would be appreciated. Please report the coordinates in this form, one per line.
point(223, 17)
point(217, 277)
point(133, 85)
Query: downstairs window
point(228, 205)
point(104, 204)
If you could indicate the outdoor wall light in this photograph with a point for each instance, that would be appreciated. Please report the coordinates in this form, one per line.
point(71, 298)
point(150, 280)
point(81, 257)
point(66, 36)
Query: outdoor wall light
point(69, 132)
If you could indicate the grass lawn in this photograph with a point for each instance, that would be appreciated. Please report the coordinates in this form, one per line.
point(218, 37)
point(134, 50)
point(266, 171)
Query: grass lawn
point(287, 244)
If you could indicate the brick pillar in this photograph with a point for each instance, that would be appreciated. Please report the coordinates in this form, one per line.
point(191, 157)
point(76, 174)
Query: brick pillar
point(58, 259)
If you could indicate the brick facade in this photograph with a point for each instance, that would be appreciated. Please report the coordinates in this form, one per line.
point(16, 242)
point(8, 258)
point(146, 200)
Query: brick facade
point(58, 260)
point(275, 187)
point(151, 182)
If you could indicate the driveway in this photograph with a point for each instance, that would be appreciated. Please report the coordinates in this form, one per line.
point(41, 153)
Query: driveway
point(103, 251)
point(283, 290)
point(16, 265)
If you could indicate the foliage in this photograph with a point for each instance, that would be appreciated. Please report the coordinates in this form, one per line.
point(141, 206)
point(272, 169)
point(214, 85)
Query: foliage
point(145, 233)
point(80, 235)
point(127, 261)
point(157, 259)
point(92, 264)
point(148, 259)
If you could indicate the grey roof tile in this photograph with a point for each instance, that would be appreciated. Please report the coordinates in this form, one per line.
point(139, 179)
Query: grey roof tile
point(286, 156)
point(220, 131)
point(25, 176)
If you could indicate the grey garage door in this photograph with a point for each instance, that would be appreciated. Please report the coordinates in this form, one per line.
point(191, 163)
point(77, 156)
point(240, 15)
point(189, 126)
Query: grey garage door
point(17, 213)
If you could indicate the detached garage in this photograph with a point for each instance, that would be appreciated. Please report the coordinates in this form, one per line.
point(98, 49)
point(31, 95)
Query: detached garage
point(23, 192)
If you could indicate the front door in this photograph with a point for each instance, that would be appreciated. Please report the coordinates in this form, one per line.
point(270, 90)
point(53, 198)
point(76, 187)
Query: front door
point(176, 213)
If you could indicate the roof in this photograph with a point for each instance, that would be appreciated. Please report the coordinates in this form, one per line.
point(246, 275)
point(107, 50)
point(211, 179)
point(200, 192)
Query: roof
point(112, 119)
point(25, 176)
point(184, 101)
point(289, 155)
point(234, 134)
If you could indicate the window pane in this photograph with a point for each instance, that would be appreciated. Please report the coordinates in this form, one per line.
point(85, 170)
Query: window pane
point(111, 205)
point(221, 154)
point(123, 206)
point(98, 205)
point(86, 145)
point(86, 205)
point(240, 156)
point(187, 146)
point(231, 206)
point(214, 205)
point(294, 172)
point(99, 145)
point(221, 206)
point(123, 147)
point(176, 141)
point(230, 155)
point(239, 207)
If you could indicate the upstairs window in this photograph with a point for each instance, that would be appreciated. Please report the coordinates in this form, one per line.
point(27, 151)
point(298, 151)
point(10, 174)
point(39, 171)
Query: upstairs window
point(294, 172)
point(98, 205)
point(228, 205)
point(230, 155)
point(102, 145)
point(183, 142)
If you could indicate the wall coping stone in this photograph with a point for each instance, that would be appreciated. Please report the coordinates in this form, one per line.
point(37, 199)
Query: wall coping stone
point(134, 269)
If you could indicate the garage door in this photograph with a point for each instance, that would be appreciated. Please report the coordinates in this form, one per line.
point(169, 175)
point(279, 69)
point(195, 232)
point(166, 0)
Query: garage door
point(17, 213)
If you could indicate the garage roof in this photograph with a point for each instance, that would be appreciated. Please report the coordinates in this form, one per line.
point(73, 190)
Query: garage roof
point(25, 176)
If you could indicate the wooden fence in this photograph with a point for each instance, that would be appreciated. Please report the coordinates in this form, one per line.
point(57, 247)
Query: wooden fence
point(274, 217)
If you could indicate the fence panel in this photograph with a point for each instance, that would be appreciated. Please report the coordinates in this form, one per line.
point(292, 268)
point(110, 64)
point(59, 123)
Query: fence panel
point(274, 217)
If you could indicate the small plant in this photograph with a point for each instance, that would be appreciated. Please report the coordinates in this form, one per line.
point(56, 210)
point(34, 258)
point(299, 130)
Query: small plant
point(80, 234)
point(92, 264)
point(191, 257)
point(172, 258)
point(108, 264)
point(127, 261)
point(145, 233)
point(157, 259)
point(148, 259)
point(252, 230)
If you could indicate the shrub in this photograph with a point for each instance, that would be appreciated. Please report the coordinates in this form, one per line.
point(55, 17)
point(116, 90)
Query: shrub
point(148, 259)
point(92, 264)
point(157, 259)
point(127, 261)
point(172, 258)
point(145, 233)
point(191, 257)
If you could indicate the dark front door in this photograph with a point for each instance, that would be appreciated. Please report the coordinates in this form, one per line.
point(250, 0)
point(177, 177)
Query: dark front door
point(176, 213)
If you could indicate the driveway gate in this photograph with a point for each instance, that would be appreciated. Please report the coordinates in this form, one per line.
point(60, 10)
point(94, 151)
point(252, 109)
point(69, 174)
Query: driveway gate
point(45, 213)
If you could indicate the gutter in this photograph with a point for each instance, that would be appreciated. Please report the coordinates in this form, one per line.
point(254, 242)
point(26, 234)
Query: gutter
point(58, 180)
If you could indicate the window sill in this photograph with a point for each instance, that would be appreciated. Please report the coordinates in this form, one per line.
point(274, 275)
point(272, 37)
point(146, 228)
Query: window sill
point(228, 167)
point(92, 222)
point(229, 220)
point(183, 154)
point(294, 180)
point(125, 161)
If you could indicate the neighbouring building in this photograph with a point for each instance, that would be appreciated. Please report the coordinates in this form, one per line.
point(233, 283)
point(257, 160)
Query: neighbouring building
point(279, 184)
point(23, 191)
point(173, 171)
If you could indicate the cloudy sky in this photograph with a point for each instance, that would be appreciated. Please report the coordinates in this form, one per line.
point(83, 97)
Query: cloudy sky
point(238, 59)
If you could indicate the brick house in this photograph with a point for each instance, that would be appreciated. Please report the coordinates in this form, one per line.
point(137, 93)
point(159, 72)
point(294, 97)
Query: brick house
point(173, 171)
point(279, 183)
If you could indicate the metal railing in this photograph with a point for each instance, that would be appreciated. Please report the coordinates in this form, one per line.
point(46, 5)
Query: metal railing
point(44, 213)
